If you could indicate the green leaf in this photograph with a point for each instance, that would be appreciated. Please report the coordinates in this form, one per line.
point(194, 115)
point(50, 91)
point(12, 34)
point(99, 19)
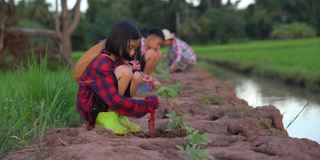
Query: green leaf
point(180, 147)
point(196, 153)
point(196, 139)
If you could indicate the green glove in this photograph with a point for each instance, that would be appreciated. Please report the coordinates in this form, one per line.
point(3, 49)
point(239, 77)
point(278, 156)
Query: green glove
point(109, 120)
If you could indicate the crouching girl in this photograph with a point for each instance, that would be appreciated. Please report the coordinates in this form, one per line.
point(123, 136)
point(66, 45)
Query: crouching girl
point(108, 80)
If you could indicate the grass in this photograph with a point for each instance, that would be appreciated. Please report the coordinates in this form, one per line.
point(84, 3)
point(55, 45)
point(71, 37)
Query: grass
point(76, 55)
point(238, 112)
point(292, 61)
point(34, 99)
point(212, 99)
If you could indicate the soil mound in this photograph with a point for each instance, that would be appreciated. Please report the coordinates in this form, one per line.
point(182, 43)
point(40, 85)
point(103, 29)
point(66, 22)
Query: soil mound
point(236, 130)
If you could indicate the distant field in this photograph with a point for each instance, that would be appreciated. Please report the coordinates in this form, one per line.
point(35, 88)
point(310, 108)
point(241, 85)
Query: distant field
point(293, 61)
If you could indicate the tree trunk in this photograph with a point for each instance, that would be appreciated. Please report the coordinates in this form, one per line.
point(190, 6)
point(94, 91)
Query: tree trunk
point(64, 26)
point(209, 4)
point(177, 23)
point(2, 32)
point(66, 49)
point(1, 27)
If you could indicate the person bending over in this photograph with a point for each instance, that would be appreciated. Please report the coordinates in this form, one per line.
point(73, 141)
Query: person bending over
point(151, 53)
point(108, 79)
point(180, 55)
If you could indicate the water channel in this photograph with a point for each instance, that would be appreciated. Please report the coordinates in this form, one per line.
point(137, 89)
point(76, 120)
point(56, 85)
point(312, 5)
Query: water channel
point(289, 100)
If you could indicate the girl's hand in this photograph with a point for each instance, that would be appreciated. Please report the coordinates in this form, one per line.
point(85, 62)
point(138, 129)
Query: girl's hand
point(135, 65)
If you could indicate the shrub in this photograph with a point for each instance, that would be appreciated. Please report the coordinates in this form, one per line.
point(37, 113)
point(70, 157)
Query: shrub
point(293, 31)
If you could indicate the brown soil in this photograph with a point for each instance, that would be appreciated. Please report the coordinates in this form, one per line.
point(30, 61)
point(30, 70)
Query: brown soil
point(236, 130)
point(164, 134)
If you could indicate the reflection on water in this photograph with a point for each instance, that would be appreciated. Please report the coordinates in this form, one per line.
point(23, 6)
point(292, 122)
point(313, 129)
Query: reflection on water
point(289, 101)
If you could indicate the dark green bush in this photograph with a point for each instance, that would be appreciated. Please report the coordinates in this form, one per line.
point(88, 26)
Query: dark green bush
point(293, 31)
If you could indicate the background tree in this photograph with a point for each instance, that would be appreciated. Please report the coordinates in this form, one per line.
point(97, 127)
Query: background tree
point(307, 11)
point(262, 16)
point(209, 22)
point(10, 42)
point(65, 24)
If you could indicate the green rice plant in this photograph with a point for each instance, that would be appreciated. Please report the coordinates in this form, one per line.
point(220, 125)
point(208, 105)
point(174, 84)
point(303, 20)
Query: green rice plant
point(34, 99)
point(288, 61)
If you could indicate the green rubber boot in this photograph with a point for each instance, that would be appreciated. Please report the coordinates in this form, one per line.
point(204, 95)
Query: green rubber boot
point(109, 120)
point(132, 127)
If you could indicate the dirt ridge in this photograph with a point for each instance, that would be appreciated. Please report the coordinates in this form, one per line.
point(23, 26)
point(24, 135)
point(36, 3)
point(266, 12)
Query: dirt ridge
point(237, 131)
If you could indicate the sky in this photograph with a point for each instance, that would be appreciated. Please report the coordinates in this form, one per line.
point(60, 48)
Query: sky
point(243, 4)
point(70, 4)
point(84, 5)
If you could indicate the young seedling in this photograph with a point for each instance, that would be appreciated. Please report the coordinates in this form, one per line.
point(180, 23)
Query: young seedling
point(164, 73)
point(195, 138)
point(168, 91)
point(195, 152)
point(176, 121)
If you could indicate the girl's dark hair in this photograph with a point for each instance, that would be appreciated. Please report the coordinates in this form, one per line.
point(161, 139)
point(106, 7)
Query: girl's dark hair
point(156, 31)
point(118, 40)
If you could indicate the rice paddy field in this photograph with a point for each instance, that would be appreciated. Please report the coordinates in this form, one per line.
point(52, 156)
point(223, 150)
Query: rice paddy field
point(292, 61)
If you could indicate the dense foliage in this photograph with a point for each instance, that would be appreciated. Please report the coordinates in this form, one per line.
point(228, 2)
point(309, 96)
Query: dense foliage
point(211, 21)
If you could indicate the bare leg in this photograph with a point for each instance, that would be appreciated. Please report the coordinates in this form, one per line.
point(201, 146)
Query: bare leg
point(152, 58)
point(124, 75)
point(136, 81)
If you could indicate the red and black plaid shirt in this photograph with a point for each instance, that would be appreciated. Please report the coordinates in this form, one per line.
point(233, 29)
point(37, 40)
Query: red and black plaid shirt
point(99, 79)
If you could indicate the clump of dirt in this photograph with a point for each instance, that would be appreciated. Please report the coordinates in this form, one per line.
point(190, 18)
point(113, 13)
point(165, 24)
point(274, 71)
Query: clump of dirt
point(172, 134)
point(164, 134)
point(236, 130)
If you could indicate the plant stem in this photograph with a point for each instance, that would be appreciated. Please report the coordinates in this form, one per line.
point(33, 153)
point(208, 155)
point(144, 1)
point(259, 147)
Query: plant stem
point(297, 115)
